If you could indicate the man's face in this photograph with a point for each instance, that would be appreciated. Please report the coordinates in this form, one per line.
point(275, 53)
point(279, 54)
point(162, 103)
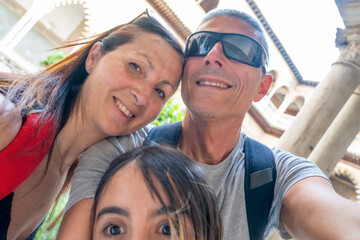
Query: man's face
point(216, 87)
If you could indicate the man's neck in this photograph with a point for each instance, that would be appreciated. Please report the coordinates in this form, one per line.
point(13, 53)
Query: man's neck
point(209, 141)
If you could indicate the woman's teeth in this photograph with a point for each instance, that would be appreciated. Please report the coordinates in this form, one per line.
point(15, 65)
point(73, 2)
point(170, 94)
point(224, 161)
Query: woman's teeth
point(123, 108)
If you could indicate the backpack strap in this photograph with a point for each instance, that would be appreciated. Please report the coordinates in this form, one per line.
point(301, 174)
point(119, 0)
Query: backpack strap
point(260, 177)
point(167, 134)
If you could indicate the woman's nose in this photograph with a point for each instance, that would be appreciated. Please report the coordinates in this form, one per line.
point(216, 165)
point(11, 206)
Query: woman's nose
point(141, 94)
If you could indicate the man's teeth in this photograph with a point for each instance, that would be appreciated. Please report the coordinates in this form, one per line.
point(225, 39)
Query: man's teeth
point(123, 108)
point(216, 84)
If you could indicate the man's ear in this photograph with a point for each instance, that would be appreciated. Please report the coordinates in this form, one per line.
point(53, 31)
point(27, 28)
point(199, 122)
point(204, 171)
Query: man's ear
point(93, 56)
point(266, 80)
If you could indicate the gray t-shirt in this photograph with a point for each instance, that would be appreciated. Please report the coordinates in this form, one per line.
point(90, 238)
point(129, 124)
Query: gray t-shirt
point(227, 178)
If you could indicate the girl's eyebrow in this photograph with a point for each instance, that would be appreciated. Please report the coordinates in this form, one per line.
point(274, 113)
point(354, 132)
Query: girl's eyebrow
point(123, 212)
point(163, 210)
point(113, 210)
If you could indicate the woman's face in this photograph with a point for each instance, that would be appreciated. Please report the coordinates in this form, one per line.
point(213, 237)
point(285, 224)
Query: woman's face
point(127, 87)
point(126, 209)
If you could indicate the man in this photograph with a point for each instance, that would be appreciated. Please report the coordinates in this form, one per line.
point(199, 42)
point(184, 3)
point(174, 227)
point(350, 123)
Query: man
point(218, 88)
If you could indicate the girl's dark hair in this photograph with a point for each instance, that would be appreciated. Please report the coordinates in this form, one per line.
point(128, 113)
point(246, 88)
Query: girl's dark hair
point(183, 183)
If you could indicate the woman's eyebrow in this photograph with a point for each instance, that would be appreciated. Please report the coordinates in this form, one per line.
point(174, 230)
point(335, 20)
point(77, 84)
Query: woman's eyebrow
point(112, 210)
point(148, 60)
point(166, 82)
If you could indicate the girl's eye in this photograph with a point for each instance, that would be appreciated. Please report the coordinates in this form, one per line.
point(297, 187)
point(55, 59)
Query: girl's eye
point(113, 229)
point(165, 230)
point(160, 93)
point(135, 66)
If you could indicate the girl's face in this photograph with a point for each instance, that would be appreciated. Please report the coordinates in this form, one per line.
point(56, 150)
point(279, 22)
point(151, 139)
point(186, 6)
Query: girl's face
point(126, 209)
point(127, 87)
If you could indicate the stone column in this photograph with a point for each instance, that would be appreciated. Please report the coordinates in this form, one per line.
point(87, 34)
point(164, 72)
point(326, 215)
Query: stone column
point(328, 98)
point(339, 135)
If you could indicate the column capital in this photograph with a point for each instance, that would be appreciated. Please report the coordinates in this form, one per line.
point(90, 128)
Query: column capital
point(348, 41)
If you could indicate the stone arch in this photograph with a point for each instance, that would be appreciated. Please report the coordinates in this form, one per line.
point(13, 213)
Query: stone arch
point(30, 39)
point(295, 106)
point(86, 22)
point(345, 183)
point(279, 96)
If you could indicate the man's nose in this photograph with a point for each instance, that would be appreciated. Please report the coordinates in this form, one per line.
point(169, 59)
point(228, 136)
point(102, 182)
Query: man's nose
point(215, 56)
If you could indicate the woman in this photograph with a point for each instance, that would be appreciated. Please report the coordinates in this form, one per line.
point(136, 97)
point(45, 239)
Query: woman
point(155, 193)
point(114, 85)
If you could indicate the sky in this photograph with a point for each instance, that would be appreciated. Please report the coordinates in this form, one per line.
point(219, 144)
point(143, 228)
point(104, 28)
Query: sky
point(306, 28)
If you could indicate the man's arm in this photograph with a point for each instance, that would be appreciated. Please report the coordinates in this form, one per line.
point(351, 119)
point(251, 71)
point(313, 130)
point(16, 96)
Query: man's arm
point(313, 210)
point(76, 223)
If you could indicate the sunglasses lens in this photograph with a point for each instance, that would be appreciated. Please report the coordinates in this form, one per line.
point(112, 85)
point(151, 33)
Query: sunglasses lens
point(242, 49)
point(199, 44)
point(236, 47)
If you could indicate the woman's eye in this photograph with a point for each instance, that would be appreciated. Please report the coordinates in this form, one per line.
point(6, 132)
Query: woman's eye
point(135, 66)
point(165, 230)
point(113, 229)
point(160, 93)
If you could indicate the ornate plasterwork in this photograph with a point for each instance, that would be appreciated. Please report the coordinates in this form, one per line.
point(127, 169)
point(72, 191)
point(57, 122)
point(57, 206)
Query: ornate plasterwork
point(84, 4)
point(344, 170)
point(348, 41)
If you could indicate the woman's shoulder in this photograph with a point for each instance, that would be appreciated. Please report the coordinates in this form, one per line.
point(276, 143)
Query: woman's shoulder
point(113, 146)
point(9, 124)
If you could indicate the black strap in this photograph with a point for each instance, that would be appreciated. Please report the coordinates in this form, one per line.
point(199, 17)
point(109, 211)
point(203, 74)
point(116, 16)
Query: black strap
point(260, 176)
point(167, 134)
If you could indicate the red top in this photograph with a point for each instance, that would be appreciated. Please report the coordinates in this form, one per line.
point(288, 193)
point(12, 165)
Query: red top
point(24, 154)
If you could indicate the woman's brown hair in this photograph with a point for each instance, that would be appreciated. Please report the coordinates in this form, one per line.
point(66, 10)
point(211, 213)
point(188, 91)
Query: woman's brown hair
point(55, 90)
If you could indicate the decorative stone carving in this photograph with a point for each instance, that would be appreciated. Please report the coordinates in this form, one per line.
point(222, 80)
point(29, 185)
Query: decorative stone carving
point(348, 41)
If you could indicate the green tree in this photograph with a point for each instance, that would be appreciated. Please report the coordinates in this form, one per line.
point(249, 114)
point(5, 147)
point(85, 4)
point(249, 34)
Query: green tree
point(52, 58)
point(50, 227)
point(171, 112)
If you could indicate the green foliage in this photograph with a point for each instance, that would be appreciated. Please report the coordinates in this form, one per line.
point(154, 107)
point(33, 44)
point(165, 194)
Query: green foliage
point(47, 231)
point(52, 58)
point(170, 113)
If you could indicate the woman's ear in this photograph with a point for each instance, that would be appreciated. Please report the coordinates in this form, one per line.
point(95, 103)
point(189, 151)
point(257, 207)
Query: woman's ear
point(266, 80)
point(93, 56)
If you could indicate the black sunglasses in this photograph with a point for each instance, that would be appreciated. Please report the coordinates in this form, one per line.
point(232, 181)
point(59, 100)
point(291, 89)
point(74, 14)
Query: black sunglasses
point(148, 14)
point(153, 16)
point(236, 47)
